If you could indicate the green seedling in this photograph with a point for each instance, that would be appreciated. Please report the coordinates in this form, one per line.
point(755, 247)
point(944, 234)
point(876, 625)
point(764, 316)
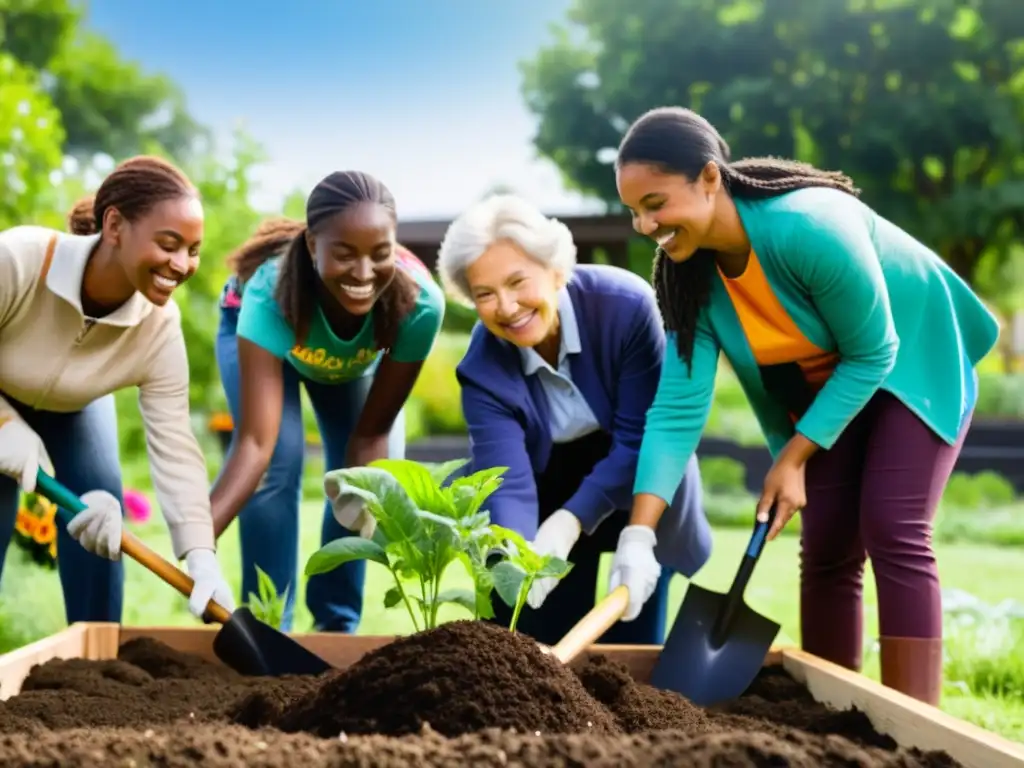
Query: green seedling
point(267, 606)
point(422, 528)
point(520, 567)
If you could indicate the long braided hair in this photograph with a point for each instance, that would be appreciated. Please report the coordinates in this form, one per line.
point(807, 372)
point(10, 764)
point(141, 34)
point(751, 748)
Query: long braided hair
point(679, 141)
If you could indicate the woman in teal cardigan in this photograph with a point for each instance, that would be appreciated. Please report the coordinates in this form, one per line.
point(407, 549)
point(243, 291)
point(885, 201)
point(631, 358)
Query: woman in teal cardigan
point(856, 346)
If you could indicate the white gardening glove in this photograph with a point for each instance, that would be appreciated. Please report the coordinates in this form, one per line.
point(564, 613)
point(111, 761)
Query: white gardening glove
point(349, 510)
point(209, 583)
point(22, 453)
point(635, 566)
point(98, 527)
point(556, 536)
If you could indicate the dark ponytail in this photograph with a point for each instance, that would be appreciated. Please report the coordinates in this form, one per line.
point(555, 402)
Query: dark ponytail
point(680, 141)
point(271, 238)
point(297, 284)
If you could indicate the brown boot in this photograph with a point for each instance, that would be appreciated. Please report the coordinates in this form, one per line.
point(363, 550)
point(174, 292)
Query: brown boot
point(913, 666)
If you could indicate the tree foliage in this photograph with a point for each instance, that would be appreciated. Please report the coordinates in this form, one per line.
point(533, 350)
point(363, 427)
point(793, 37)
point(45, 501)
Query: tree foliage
point(108, 104)
point(921, 101)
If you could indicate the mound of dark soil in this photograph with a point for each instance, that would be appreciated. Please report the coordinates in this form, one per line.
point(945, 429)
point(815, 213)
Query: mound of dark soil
point(461, 677)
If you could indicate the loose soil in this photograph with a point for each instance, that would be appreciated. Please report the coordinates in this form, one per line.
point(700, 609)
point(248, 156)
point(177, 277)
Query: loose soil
point(467, 693)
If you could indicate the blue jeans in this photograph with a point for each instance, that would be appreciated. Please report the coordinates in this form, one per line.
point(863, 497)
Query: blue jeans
point(84, 449)
point(268, 524)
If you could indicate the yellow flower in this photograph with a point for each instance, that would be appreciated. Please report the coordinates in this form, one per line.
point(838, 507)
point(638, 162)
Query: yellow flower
point(53, 548)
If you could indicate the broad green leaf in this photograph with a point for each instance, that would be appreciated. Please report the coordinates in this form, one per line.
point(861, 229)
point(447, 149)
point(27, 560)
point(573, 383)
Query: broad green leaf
point(481, 478)
point(392, 597)
point(508, 579)
point(553, 567)
point(511, 536)
point(340, 551)
point(463, 597)
point(440, 471)
point(418, 484)
point(471, 492)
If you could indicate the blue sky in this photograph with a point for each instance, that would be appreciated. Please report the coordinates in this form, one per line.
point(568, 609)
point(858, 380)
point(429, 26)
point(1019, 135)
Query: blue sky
point(422, 93)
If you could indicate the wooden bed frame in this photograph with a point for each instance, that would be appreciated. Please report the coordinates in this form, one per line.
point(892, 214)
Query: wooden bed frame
point(908, 721)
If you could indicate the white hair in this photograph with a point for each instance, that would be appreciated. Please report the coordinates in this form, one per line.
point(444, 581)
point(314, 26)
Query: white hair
point(501, 217)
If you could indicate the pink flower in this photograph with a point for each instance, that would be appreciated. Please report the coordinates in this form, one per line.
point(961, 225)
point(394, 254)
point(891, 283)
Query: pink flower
point(136, 506)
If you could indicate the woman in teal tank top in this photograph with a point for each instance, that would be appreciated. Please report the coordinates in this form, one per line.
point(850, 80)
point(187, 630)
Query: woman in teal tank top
point(856, 346)
point(337, 307)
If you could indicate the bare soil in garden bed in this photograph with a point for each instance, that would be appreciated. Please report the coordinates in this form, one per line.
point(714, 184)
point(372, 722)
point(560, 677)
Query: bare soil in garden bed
point(466, 693)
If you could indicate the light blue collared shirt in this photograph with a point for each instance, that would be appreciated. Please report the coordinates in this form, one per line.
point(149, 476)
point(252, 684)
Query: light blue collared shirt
point(571, 416)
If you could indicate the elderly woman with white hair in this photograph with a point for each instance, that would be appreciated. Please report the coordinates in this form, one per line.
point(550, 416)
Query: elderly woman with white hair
point(556, 384)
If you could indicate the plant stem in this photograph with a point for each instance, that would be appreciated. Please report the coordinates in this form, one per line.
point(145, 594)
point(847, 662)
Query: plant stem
point(405, 599)
point(437, 604)
point(425, 605)
point(524, 590)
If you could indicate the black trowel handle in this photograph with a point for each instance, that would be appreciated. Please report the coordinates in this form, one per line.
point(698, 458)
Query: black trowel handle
point(734, 597)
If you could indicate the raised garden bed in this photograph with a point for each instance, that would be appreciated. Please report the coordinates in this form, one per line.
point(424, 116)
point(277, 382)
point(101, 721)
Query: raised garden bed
point(167, 702)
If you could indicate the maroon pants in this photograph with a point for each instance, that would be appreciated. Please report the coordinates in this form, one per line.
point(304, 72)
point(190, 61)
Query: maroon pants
point(873, 494)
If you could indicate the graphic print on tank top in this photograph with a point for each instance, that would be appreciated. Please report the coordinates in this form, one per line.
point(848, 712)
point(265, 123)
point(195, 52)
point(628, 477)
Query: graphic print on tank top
point(793, 369)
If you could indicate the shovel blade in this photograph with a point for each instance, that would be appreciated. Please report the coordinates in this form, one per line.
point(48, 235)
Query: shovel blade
point(707, 672)
point(252, 647)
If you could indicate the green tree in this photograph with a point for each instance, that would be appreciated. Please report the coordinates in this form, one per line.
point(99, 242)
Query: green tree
point(108, 104)
point(921, 101)
point(31, 136)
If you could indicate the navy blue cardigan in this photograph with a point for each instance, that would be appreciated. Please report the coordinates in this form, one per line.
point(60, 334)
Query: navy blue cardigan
point(617, 372)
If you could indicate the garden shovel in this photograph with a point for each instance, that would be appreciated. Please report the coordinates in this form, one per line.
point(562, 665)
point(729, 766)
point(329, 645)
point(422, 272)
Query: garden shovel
point(244, 643)
point(717, 644)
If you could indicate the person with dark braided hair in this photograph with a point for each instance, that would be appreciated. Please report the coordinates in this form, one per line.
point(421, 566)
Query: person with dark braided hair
point(83, 315)
point(856, 346)
point(336, 305)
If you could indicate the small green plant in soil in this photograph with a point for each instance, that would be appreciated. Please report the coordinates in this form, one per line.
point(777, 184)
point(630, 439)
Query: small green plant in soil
point(267, 606)
point(520, 567)
point(422, 527)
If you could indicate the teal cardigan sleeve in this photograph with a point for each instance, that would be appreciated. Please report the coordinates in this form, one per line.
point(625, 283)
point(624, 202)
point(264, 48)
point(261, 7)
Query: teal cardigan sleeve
point(832, 254)
point(678, 414)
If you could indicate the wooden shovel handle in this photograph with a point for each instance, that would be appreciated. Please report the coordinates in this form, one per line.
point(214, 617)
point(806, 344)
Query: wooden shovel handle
point(70, 504)
point(174, 576)
point(593, 625)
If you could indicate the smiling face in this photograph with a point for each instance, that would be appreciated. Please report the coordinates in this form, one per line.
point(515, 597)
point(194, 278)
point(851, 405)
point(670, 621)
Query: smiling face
point(354, 254)
point(515, 296)
point(159, 250)
point(672, 210)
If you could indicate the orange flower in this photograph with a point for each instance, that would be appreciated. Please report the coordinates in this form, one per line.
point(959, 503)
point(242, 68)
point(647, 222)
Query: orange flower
point(45, 532)
point(221, 422)
point(26, 523)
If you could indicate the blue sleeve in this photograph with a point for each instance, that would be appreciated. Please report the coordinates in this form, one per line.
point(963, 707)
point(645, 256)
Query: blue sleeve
point(419, 329)
point(609, 485)
point(497, 439)
point(260, 319)
point(677, 417)
point(835, 259)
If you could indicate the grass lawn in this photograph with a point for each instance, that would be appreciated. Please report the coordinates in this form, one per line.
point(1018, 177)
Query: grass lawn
point(31, 604)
